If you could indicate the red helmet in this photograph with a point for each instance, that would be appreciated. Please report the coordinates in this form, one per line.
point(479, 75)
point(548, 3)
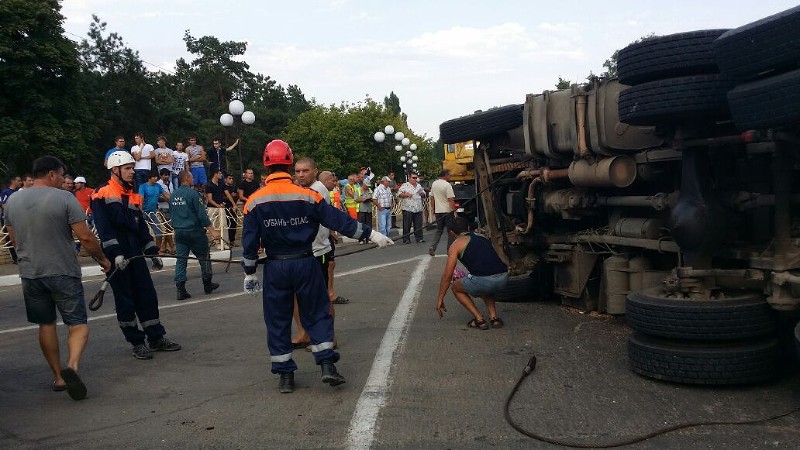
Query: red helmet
point(278, 152)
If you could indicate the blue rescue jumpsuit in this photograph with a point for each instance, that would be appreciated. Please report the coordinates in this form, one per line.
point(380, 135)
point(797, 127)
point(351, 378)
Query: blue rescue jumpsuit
point(123, 231)
point(283, 218)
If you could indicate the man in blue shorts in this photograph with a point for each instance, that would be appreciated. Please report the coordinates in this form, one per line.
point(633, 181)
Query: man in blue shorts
point(197, 160)
point(41, 221)
point(488, 274)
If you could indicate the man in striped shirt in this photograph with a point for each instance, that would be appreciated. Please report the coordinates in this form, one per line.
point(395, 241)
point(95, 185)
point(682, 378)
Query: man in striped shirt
point(382, 198)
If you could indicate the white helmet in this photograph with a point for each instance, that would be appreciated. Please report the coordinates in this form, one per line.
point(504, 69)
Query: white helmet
point(119, 158)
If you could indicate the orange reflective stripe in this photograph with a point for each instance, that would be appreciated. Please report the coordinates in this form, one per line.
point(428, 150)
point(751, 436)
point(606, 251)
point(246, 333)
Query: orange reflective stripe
point(115, 190)
point(279, 187)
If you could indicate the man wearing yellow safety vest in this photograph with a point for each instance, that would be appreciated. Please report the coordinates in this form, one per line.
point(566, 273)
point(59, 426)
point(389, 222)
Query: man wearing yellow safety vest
point(351, 192)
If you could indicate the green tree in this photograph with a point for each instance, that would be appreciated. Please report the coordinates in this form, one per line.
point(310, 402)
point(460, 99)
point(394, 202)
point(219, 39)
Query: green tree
point(205, 85)
point(562, 83)
point(42, 105)
point(392, 103)
point(119, 90)
point(340, 138)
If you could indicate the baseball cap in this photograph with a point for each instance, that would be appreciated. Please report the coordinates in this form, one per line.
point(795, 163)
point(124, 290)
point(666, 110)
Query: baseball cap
point(386, 179)
point(80, 180)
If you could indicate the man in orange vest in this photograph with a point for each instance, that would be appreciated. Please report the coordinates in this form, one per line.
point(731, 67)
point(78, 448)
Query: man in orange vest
point(124, 234)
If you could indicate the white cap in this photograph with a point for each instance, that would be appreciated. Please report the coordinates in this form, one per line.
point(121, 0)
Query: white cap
point(80, 180)
point(386, 179)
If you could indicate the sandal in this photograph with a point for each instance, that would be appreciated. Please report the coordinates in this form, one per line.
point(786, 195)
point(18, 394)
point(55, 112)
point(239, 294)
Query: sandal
point(341, 300)
point(59, 387)
point(496, 322)
point(475, 323)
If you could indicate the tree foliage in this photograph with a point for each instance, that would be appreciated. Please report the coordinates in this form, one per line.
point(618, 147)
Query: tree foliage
point(341, 138)
point(392, 103)
point(42, 105)
point(71, 99)
point(562, 83)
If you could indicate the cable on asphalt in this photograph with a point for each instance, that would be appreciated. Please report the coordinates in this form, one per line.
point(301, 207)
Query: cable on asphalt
point(531, 366)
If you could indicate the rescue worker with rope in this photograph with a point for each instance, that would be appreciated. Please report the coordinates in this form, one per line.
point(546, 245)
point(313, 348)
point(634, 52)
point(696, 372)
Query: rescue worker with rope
point(124, 234)
point(283, 218)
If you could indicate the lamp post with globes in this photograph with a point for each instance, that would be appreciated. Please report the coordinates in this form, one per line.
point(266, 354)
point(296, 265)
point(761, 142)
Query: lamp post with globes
point(409, 160)
point(399, 137)
point(401, 142)
point(236, 119)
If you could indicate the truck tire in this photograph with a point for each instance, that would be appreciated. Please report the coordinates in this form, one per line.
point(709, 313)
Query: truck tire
point(675, 100)
point(671, 56)
point(517, 291)
point(771, 102)
point(733, 318)
point(772, 43)
point(703, 362)
point(481, 124)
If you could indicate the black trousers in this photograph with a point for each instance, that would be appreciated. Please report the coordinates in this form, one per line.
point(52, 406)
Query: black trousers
point(230, 212)
point(366, 219)
point(410, 218)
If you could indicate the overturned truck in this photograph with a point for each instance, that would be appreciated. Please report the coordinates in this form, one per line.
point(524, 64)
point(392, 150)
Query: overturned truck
point(668, 194)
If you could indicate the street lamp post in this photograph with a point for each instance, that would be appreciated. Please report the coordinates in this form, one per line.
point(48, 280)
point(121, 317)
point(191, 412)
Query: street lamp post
point(236, 119)
point(409, 160)
point(399, 137)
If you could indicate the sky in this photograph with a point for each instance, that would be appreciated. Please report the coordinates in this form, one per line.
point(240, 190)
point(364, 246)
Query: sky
point(444, 59)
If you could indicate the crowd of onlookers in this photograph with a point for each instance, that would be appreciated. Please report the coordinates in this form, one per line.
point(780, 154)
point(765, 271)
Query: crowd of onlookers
point(156, 177)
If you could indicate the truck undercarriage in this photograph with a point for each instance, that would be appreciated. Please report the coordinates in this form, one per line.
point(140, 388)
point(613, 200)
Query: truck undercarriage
point(671, 198)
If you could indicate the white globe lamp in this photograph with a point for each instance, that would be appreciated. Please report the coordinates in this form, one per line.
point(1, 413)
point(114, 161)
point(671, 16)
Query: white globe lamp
point(236, 107)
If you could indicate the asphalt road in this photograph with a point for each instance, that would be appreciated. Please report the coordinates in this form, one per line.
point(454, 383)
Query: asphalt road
point(413, 380)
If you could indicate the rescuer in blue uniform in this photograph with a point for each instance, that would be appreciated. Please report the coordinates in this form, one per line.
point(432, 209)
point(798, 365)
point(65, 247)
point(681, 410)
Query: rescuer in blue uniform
point(123, 234)
point(283, 218)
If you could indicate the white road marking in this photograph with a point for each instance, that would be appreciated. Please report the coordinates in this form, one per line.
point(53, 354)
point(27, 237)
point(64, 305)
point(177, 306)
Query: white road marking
point(211, 299)
point(361, 431)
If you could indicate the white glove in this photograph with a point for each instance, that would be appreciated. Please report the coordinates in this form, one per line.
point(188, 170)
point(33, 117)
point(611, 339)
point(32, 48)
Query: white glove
point(120, 262)
point(380, 239)
point(158, 264)
point(251, 284)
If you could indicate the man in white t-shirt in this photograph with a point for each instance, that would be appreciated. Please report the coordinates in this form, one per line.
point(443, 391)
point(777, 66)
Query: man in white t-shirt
point(144, 154)
point(164, 158)
point(179, 164)
point(444, 205)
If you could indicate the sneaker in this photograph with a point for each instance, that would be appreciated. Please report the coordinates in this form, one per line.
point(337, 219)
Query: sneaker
point(164, 345)
point(420, 241)
point(330, 375)
point(140, 351)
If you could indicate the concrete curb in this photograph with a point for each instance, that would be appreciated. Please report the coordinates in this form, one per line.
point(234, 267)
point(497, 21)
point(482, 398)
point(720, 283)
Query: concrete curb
point(94, 270)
